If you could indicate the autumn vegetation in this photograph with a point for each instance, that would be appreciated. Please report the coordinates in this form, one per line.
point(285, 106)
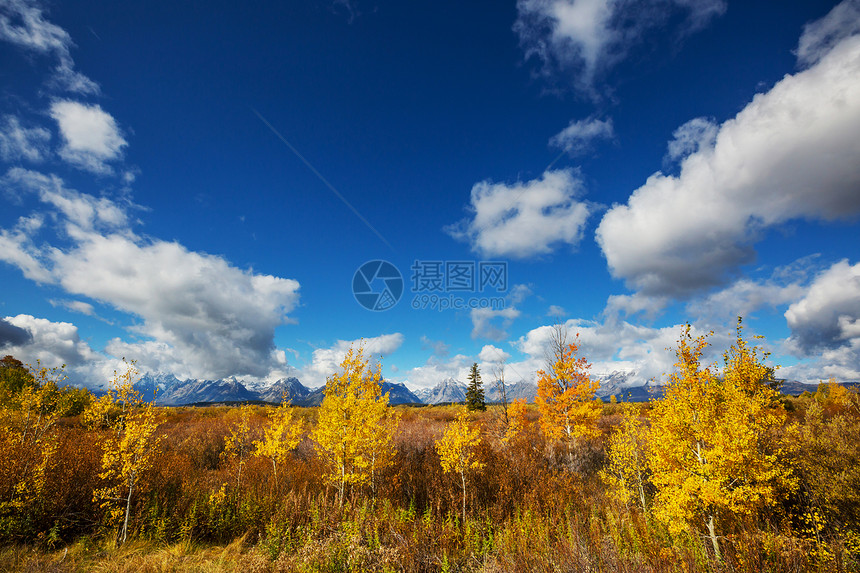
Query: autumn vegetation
point(721, 474)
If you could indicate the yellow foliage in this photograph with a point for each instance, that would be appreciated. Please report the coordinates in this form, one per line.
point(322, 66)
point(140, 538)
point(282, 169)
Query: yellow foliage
point(457, 448)
point(566, 398)
point(27, 438)
point(833, 394)
point(713, 443)
point(828, 459)
point(354, 433)
point(129, 448)
point(238, 443)
point(100, 413)
point(280, 437)
point(518, 423)
point(626, 472)
point(110, 410)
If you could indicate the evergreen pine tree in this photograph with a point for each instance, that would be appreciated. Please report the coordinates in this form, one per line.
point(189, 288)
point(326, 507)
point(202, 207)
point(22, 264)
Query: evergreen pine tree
point(475, 391)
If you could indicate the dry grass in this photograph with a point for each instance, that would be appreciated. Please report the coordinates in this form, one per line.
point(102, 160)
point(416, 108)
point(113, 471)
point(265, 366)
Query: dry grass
point(528, 511)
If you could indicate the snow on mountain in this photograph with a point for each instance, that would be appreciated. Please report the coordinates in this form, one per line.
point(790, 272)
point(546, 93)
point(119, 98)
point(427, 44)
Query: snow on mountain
point(291, 388)
point(618, 383)
point(519, 390)
point(194, 391)
point(170, 391)
point(154, 385)
point(448, 390)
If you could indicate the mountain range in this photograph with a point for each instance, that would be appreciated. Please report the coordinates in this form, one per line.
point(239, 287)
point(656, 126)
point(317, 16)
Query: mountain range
point(169, 390)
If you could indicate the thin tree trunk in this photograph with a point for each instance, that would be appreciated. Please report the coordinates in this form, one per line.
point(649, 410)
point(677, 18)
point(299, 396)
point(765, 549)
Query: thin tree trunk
point(642, 495)
point(127, 509)
point(463, 478)
point(342, 484)
point(373, 474)
point(712, 530)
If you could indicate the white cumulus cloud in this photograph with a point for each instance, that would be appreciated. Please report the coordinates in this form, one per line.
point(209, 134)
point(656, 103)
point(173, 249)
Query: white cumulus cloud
point(17, 249)
point(202, 316)
point(219, 319)
point(791, 153)
point(437, 369)
point(644, 353)
point(825, 327)
point(828, 315)
point(524, 219)
point(787, 284)
point(326, 361)
point(52, 343)
point(492, 354)
point(820, 36)
point(492, 322)
point(577, 137)
point(91, 136)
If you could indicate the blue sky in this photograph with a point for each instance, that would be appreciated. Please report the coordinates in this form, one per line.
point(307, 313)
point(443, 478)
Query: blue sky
point(195, 186)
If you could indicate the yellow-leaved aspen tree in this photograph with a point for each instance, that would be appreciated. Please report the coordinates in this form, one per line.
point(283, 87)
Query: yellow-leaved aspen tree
point(380, 424)
point(831, 393)
point(714, 450)
point(239, 444)
point(280, 437)
point(518, 422)
point(827, 457)
point(129, 449)
point(626, 472)
point(566, 395)
point(100, 413)
point(457, 450)
point(354, 432)
point(27, 439)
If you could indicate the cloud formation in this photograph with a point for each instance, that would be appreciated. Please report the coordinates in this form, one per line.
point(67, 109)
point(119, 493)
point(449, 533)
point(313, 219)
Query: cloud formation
point(696, 134)
point(438, 347)
point(12, 335)
point(437, 369)
point(22, 23)
point(216, 317)
point(326, 361)
point(643, 353)
point(204, 317)
point(587, 37)
point(820, 36)
point(492, 324)
point(524, 220)
point(78, 306)
point(492, 354)
point(19, 143)
point(825, 326)
point(577, 137)
point(828, 315)
point(52, 343)
point(91, 136)
point(792, 153)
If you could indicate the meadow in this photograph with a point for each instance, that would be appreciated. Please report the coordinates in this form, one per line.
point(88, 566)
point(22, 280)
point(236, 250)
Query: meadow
point(116, 484)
